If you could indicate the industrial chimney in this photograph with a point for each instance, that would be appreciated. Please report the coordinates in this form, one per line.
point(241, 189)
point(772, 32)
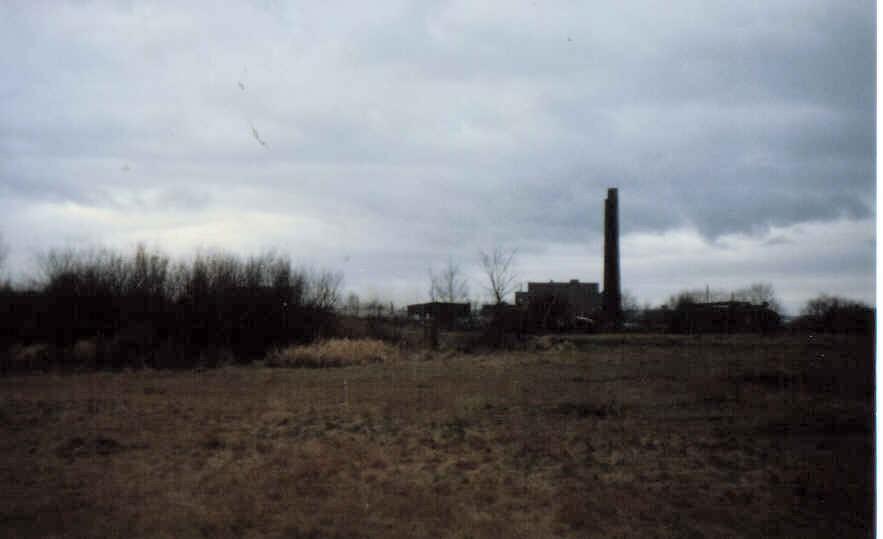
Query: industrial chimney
point(612, 293)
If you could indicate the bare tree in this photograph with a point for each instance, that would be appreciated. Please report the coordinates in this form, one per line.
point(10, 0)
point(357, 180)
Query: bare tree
point(374, 307)
point(433, 291)
point(758, 294)
point(698, 295)
point(449, 285)
point(629, 301)
point(824, 304)
point(497, 266)
point(352, 304)
point(323, 289)
point(630, 306)
point(837, 315)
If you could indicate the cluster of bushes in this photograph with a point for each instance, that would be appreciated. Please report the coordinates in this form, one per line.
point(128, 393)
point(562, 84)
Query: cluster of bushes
point(830, 314)
point(754, 309)
point(727, 317)
point(147, 308)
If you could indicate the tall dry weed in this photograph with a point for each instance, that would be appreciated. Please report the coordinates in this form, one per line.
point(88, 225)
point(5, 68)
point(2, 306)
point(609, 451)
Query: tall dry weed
point(333, 353)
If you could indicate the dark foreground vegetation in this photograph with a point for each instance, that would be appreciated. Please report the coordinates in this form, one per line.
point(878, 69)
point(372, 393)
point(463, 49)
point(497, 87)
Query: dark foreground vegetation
point(596, 436)
point(102, 309)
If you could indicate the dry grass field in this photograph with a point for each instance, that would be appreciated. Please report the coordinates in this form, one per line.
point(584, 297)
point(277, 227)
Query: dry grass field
point(601, 436)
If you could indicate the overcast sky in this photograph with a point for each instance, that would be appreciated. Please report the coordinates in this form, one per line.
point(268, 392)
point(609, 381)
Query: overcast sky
point(380, 138)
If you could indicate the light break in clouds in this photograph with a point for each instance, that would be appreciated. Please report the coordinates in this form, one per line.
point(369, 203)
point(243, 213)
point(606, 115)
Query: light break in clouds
point(380, 138)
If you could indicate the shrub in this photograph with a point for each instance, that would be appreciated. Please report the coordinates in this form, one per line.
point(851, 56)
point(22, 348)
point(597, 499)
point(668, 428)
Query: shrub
point(85, 351)
point(152, 310)
point(216, 357)
point(831, 314)
point(29, 358)
point(333, 353)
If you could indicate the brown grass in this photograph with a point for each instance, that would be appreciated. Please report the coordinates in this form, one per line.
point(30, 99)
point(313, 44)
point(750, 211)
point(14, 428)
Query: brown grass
point(738, 437)
point(334, 353)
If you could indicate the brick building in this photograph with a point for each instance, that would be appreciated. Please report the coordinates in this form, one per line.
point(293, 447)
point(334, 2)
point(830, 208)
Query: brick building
point(558, 305)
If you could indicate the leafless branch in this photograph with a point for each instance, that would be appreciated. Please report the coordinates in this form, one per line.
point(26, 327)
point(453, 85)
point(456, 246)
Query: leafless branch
point(449, 285)
point(498, 268)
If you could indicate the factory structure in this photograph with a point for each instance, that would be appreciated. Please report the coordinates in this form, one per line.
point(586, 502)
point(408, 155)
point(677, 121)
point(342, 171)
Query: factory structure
point(560, 305)
point(554, 305)
point(574, 304)
point(577, 305)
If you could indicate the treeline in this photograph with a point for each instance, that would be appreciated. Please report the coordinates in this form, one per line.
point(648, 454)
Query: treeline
point(756, 293)
point(832, 314)
point(147, 309)
point(753, 308)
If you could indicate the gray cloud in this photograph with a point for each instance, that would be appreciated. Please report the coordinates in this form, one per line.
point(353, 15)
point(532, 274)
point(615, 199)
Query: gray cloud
point(401, 134)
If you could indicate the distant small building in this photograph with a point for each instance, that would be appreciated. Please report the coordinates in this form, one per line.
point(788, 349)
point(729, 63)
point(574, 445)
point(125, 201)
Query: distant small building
point(559, 305)
point(488, 310)
point(447, 314)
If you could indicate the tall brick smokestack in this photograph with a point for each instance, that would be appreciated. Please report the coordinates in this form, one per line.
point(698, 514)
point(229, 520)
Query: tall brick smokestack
point(612, 293)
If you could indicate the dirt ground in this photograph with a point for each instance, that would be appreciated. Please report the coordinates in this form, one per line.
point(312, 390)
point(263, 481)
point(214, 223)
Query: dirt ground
point(601, 436)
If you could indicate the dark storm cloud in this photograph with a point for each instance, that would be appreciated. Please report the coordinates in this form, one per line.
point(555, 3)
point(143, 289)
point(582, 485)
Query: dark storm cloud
point(777, 100)
point(410, 132)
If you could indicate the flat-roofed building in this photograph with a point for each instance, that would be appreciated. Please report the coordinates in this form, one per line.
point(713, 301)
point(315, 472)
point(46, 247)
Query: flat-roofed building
point(557, 305)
